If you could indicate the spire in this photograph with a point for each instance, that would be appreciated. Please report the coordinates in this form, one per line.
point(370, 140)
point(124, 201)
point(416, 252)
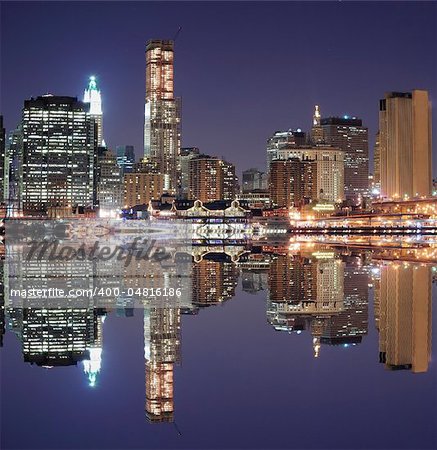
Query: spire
point(316, 116)
point(92, 85)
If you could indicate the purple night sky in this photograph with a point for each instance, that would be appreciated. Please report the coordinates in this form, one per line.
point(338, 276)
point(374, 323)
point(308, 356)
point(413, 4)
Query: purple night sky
point(243, 70)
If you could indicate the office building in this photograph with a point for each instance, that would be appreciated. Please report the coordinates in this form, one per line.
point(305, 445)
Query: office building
point(93, 96)
point(329, 167)
point(2, 160)
point(293, 182)
point(405, 145)
point(125, 158)
point(58, 155)
point(187, 154)
point(317, 136)
point(254, 180)
point(349, 134)
point(109, 182)
point(162, 112)
point(142, 187)
point(212, 179)
point(284, 140)
point(13, 176)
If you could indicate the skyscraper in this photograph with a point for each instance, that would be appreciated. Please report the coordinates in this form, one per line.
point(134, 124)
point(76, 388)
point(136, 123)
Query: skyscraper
point(93, 96)
point(187, 154)
point(253, 180)
point(162, 111)
point(405, 144)
point(349, 135)
point(282, 140)
point(58, 155)
point(125, 158)
point(316, 130)
point(14, 172)
point(2, 160)
point(109, 183)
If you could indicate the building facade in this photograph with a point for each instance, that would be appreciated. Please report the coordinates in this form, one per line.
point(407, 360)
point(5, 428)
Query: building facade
point(2, 160)
point(162, 111)
point(293, 182)
point(109, 183)
point(351, 136)
point(254, 180)
point(212, 179)
point(58, 155)
point(142, 187)
point(283, 140)
point(405, 145)
point(330, 168)
point(125, 158)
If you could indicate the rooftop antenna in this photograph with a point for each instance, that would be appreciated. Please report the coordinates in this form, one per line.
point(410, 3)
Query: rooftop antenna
point(177, 34)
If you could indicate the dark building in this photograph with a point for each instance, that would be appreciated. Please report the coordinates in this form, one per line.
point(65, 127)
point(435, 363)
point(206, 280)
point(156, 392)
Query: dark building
point(349, 135)
point(254, 180)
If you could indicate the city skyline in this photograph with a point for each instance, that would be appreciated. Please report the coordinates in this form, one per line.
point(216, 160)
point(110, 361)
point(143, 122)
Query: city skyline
point(236, 103)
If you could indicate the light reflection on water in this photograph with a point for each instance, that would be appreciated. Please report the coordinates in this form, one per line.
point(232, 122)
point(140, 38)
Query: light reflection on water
point(333, 292)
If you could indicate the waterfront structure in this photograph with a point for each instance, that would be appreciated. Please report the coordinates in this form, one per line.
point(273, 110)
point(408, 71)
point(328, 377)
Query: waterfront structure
point(349, 134)
point(404, 319)
point(330, 168)
point(109, 182)
point(212, 179)
point(142, 187)
point(57, 155)
point(2, 160)
point(293, 182)
point(162, 111)
point(93, 96)
point(405, 145)
point(254, 180)
point(283, 140)
point(258, 199)
point(186, 155)
point(125, 158)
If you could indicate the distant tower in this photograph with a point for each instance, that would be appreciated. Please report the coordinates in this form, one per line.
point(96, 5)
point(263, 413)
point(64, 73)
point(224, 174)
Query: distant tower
point(93, 96)
point(316, 130)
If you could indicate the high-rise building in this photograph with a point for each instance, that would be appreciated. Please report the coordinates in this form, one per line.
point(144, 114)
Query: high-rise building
point(254, 180)
point(14, 172)
point(109, 182)
point(330, 168)
point(187, 154)
point(348, 134)
point(212, 179)
point(58, 155)
point(405, 144)
point(2, 160)
point(284, 140)
point(141, 187)
point(293, 182)
point(125, 158)
point(377, 163)
point(162, 111)
point(404, 316)
point(93, 96)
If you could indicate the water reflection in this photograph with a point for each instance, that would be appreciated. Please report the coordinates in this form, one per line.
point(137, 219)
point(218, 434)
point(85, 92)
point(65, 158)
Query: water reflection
point(320, 289)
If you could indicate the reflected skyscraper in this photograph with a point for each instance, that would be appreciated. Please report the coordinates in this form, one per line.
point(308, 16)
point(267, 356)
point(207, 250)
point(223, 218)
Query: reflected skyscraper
point(404, 318)
point(161, 351)
point(93, 364)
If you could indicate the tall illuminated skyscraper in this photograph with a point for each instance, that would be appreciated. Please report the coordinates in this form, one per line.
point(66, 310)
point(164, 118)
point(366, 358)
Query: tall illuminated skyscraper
point(93, 96)
point(162, 112)
point(2, 159)
point(57, 155)
point(405, 144)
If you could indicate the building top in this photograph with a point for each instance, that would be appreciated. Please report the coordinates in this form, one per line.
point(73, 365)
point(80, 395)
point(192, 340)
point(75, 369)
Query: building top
point(398, 95)
point(344, 121)
point(159, 43)
point(47, 101)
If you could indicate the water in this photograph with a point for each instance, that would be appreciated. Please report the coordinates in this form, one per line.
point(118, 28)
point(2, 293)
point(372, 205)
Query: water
point(300, 347)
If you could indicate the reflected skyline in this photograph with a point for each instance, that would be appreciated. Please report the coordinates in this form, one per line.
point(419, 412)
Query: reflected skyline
point(313, 289)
